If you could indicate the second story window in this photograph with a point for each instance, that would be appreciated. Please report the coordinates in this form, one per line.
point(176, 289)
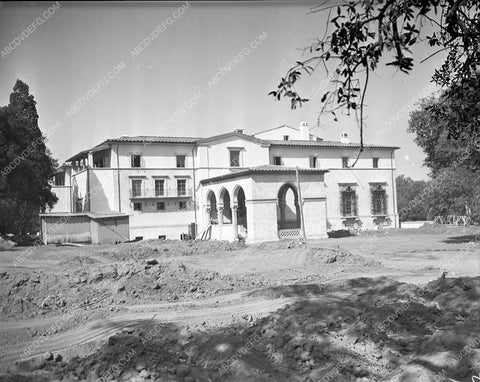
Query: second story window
point(136, 160)
point(277, 160)
point(234, 158)
point(181, 187)
point(136, 187)
point(375, 162)
point(345, 162)
point(313, 162)
point(159, 187)
point(285, 137)
point(180, 161)
point(60, 179)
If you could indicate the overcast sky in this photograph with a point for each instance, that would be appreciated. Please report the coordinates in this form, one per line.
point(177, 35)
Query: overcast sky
point(71, 50)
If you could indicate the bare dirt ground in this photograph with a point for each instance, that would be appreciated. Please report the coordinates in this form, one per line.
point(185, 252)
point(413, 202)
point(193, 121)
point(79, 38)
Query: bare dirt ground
point(375, 307)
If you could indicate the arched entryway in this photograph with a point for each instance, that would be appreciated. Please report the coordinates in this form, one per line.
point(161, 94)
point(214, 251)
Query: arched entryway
point(225, 207)
point(288, 209)
point(240, 212)
point(211, 208)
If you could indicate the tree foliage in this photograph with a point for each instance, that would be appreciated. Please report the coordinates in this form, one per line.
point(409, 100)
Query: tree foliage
point(407, 190)
point(26, 164)
point(447, 129)
point(359, 33)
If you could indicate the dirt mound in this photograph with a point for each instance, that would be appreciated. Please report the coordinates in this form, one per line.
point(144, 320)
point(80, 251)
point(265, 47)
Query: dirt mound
point(344, 257)
point(169, 248)
point(337, 339)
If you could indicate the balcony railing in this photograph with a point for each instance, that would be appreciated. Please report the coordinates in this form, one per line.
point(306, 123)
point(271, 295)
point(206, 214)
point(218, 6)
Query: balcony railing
point(165, 193)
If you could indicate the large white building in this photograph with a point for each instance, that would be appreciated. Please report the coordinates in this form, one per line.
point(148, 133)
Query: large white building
point(227, 186)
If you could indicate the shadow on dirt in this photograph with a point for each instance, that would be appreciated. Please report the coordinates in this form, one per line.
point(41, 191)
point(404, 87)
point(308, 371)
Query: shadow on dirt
point(363, 328)
point(462, 239)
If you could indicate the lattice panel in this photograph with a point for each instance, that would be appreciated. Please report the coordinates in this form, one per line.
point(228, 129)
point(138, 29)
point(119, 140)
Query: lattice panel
point(290, 233)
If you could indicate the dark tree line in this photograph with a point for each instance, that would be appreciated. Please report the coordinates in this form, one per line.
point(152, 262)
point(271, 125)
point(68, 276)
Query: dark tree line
point(26, 165)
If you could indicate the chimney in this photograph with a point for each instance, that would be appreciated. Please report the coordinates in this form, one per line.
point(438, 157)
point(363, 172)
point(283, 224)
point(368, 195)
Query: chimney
point(344, 138)
point(239, 130)
point(304, 131)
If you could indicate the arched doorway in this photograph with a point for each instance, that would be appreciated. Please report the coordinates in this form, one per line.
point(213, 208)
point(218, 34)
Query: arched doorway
point(212, 212)
point(288, 209)
point(239, 213)
point(225, 205)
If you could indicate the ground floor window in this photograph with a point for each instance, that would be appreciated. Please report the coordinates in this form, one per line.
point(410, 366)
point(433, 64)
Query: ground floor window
point(182, 205)
point(348, 200)
point(379, 200)
point(137, 206)
point(160, 206)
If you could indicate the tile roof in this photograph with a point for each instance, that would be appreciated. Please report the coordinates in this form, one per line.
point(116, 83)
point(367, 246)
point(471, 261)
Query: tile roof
point(236, 134)
point(326, 144)
point(154, 139)
point(260, 169)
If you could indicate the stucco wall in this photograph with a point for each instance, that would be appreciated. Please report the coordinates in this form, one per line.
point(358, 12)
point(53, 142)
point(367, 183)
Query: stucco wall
point(362, 178)
point(217, 154)
point(64, 199)
point(154, 155)
point(79, 190)
point(151, 223)
point(102, 190)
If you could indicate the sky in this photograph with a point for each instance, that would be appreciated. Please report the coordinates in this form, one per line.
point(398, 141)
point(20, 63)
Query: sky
point(71, 49)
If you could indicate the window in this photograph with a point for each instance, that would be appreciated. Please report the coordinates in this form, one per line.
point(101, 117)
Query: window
point(379, 200)
point(159, 187)
point(136, 160)
point(136, 187)
point(277, 161)
point(285, 137)
point(181, 187)
point(137, 206)
point(348, 201)
point(160, 206)
point(345, 162)
point(60, 179)
point(375, 162)
point(182, 205)
point(313, 162)
point(180, 161)
point(100, 162)
point(234, 158)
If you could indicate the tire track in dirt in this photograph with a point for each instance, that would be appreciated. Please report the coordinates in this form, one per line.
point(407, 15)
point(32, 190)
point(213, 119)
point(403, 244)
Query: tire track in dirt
point(101, 329)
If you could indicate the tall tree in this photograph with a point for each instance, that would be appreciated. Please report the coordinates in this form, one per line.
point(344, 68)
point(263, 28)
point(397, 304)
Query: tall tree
point(359, 33)
point(447, 129)
point(27, 166)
